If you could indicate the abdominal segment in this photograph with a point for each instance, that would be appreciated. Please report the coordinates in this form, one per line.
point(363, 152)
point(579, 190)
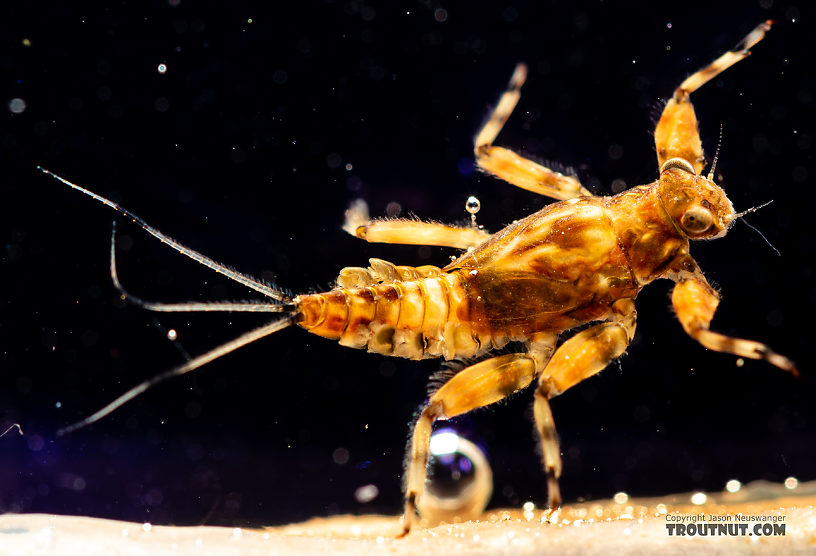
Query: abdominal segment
point(416, 319)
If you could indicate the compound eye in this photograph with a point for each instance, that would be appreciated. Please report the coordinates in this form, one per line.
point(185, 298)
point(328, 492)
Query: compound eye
point(679, 163)
point(697, 220)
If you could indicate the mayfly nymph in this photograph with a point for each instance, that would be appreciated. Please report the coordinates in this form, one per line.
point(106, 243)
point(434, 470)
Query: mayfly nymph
point(578, 261)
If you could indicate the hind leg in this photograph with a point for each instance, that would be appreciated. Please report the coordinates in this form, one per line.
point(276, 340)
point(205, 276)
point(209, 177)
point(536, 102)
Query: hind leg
point(476, 386)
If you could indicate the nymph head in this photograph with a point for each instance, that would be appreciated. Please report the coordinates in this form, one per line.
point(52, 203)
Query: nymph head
point(698, 206)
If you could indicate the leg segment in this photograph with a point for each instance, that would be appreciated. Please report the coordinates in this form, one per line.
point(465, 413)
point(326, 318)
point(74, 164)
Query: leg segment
point(476, 386)
point(695, 302)
point(509, 166)
point(676, 134)
point(580, 357)
point(410, 232)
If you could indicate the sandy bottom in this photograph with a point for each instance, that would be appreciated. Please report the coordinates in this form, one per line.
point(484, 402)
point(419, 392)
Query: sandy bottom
point(629, 526)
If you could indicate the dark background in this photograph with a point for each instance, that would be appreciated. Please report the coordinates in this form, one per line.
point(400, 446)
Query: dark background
point(240, 150)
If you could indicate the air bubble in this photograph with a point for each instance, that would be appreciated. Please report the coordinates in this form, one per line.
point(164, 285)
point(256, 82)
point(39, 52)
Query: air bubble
point(460, 481)
point(473, 205)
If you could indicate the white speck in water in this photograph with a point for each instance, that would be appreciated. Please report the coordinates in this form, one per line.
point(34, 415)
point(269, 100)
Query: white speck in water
point(620, 498)
point(124, 532)
point(172, 334)
point(699, 498)
point(162, 68)
point(237, 532)
point(147, 527)
point(740, 362)
point(366, 493)
point(341, 456)
point(58, 405)
point(733, 486)
point(17, 105)
point(791, 483)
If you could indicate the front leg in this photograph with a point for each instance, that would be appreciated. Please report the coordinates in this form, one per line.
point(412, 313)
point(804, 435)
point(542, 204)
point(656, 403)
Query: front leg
point(676, 134)
point(695, 303)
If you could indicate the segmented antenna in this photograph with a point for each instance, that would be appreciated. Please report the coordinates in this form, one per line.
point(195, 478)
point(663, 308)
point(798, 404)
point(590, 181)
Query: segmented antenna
point(740, 215)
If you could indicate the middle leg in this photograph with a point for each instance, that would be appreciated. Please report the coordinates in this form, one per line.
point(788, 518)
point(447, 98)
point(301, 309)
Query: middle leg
point(409, 232)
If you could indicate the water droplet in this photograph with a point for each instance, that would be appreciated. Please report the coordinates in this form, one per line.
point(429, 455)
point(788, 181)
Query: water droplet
point(473, 205)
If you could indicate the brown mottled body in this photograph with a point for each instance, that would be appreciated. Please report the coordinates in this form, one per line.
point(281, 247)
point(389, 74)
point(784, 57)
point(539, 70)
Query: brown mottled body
point(581, 260)
point(559, 268)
